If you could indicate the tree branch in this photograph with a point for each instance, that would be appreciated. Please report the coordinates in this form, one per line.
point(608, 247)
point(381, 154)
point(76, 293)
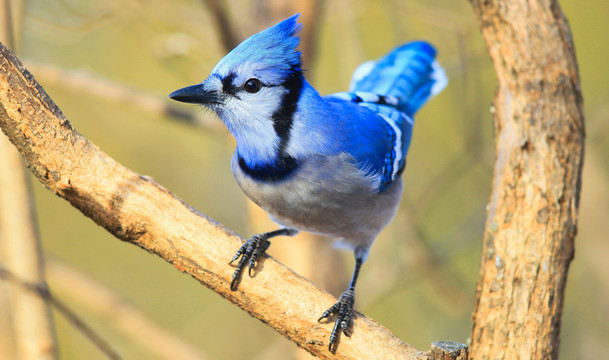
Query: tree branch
point(137, 327)
point(532, 213)
point(88, 83)
point(137, 210)
point(42, 293)
point(230, 39)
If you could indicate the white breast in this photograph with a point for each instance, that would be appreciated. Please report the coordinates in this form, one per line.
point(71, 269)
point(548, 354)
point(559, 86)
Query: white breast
point(326, 195)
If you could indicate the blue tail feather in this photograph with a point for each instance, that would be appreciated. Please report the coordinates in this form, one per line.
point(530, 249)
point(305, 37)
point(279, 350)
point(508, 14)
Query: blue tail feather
point(408, 73)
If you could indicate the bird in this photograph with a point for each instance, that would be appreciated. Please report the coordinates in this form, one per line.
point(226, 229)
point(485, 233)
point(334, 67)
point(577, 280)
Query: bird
point(328, 165)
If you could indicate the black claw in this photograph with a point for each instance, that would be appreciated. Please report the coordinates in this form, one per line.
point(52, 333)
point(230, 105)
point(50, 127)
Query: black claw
point(235, 282)
point(237, 254)
point(332, 340)
point(252, 263)
point(251, 251)
point(344, 312)
point(330, 311)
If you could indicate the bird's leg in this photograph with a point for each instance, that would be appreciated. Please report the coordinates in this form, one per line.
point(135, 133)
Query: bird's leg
point(344, 307)
point(251, 250)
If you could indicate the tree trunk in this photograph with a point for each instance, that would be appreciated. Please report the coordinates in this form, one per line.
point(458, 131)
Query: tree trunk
point(532, 212)
point(22, 252)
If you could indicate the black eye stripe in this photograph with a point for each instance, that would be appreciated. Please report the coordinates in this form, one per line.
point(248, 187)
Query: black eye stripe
point(227, 84)
point(230, 89)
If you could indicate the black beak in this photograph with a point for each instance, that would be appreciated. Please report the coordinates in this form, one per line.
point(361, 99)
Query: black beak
point(195, 94)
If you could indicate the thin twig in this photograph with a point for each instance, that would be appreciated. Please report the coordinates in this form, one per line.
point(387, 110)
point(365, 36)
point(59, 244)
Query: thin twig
point(115, 310)
point(21, 248)
point(7, 19)
point(85, 82)
point(226, 31)
point(42, 290)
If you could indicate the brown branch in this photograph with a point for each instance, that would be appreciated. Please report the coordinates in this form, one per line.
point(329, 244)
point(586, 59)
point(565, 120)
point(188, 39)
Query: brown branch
point(226, 32)
point(8, 30)
point(267, 13)
point(130, 320)
point(532, 216)
point(447, 350)
point(42, 293)
point(311, 18)
point(137, 210)
point(86, 83)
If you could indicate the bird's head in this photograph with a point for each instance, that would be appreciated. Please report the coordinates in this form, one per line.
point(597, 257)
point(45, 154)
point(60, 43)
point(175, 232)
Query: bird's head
point(252, 84)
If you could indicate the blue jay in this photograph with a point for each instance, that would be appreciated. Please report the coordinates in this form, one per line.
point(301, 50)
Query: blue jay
point(330, 165)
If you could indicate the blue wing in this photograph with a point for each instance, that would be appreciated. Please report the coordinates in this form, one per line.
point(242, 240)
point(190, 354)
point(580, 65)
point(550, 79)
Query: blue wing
point(394, 88)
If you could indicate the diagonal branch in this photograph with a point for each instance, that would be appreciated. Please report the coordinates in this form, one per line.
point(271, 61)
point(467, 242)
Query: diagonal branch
point(138, 328)
point(87, 83)
point(42, 292)
point(137, 210)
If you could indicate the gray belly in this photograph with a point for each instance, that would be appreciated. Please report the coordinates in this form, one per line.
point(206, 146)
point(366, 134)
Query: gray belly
point(326, 195)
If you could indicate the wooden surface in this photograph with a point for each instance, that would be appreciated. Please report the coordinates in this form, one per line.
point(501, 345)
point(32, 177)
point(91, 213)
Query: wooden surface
point(449, 350)
point(137, 210)
point(532, 212)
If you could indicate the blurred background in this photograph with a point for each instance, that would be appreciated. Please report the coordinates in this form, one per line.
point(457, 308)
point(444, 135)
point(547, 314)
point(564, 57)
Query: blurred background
point(109, 66)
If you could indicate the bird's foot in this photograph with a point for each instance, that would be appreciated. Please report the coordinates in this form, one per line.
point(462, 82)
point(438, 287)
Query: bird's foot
point(249, 253)
point(344, 311)
point(251, 250)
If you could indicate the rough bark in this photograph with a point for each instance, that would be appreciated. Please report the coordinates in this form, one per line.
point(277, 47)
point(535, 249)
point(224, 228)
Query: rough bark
point(532, 212)
point(448, 350)
point(137, 210)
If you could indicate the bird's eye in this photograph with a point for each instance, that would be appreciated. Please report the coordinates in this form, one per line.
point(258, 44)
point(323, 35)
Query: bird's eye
point(252, 86)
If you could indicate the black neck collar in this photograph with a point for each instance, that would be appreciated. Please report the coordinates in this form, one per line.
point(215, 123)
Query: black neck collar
point(280, 169)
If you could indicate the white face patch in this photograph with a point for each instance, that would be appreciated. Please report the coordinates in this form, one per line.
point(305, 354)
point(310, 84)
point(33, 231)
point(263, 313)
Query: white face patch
point(249, 117)
point(213, 83)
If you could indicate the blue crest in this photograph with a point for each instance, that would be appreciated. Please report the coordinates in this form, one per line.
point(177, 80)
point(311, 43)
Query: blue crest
point(271, 52)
